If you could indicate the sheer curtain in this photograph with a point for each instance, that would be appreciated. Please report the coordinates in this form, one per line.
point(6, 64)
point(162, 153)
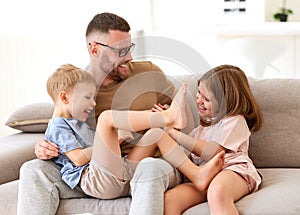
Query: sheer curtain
point(25, 64)
point(36, 37)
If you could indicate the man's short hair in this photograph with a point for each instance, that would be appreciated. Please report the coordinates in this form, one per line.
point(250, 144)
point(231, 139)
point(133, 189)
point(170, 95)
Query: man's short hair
point(104, 22)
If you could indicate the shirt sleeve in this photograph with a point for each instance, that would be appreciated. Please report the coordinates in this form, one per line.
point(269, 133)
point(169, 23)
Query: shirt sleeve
point(62, 134)
point(230, 132)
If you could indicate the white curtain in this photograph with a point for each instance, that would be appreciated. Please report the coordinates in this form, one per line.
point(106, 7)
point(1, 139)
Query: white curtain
point(36, 37)
point(25, 64)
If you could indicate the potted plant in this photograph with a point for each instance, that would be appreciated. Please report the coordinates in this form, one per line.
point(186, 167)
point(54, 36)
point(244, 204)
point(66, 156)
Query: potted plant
point(283, 12)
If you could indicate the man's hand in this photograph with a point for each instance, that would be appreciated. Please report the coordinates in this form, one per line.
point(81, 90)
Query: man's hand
point(45, 150)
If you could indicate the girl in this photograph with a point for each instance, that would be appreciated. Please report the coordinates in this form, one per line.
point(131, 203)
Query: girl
point(228, 113)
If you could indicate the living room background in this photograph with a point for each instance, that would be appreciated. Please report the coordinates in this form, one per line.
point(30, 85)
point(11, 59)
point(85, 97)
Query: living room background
point(38, 36)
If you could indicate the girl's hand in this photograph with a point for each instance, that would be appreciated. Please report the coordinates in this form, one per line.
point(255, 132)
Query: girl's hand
point(159, 107)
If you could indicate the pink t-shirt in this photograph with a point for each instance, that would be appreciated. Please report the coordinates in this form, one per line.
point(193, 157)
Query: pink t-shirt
point(233, 134)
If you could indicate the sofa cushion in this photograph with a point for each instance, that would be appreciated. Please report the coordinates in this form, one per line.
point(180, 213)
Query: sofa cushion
point(15, 150)
point(279, 194)
point(118, 206)
point(31, 118)
point(9, 197)
point(277, 144)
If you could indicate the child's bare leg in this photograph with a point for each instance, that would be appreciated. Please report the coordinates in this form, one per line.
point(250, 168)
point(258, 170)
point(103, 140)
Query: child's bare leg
point(182, 197)
point(225, 189)
point(106, 149)
point(208, 171)
point(146, 147)
point(174, 116)
point(201, 176)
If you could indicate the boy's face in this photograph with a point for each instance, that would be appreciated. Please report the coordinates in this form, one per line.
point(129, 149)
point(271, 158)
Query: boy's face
point(82, 102)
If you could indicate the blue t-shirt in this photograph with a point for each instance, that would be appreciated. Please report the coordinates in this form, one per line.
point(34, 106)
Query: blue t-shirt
point(69, 134)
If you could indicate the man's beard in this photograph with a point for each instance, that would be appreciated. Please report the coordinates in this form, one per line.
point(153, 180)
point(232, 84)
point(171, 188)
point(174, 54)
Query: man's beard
point(117, 75)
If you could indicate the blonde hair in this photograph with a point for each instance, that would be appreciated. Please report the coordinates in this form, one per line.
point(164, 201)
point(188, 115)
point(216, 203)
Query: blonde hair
point(231, 89)
point(65, 78)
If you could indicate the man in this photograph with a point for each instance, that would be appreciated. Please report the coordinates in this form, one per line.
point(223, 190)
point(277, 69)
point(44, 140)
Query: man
point(122, 85)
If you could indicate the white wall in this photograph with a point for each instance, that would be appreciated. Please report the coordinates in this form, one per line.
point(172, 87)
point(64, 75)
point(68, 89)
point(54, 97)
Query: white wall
point(200, 23)
point(37, 36)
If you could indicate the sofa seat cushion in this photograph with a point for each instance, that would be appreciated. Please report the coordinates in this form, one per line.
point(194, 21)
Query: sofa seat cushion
point(94, 206)
point(279, 194)
point(9, 197)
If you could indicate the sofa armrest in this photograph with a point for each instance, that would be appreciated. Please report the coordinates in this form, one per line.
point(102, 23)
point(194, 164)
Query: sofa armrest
point(15, 150)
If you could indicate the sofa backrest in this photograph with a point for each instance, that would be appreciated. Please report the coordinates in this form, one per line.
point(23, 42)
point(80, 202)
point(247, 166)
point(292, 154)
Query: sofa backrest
point(277, 144)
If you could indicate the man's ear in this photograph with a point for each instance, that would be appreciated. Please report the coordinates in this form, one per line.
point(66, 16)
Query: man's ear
point(63, 97)
point(94, 49)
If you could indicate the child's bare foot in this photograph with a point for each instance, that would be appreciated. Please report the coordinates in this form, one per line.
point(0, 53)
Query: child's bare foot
point(208, 171)
point(177, 108)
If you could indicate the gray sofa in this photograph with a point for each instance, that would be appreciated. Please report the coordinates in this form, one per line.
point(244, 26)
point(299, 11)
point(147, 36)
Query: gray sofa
point(274, 150)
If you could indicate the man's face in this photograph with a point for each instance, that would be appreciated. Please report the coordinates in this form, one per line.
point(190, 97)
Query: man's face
point(109, 60)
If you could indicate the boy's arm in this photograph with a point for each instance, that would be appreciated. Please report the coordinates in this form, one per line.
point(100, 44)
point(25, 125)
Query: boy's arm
point(80, 156)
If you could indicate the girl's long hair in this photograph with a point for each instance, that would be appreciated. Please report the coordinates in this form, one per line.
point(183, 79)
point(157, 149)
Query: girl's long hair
point(231, 89)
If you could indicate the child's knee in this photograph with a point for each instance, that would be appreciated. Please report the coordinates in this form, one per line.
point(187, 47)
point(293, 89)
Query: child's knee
point(104, 116)
point(216, 193)
point(155, 132)
point(172, 203)
point(152, 136)
point(169, 197)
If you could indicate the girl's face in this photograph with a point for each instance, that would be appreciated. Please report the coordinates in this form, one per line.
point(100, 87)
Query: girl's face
point(82, 101)
point(207, 104)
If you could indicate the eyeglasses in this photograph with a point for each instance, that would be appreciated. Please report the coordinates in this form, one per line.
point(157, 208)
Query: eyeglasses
point(122, 52)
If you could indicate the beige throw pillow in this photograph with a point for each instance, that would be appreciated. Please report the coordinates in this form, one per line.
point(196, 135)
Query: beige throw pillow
point(32, 117)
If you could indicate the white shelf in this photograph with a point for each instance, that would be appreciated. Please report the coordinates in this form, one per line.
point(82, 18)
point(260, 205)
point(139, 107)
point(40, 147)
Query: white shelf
point(265, 28)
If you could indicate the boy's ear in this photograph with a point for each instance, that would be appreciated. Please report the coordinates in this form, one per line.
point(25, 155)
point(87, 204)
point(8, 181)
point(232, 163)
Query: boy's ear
point(63, 97)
